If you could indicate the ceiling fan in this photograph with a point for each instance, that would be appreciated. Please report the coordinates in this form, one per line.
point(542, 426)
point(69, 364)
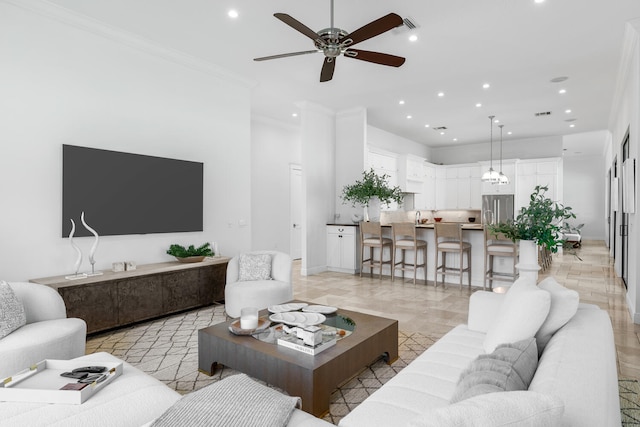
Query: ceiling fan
point(334, 42)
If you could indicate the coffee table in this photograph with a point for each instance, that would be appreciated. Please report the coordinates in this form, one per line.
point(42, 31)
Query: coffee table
point(313, 378)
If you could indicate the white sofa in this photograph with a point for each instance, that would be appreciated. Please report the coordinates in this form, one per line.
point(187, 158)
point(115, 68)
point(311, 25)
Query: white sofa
point(576, 375)
point(258, 293)
point(48, 334)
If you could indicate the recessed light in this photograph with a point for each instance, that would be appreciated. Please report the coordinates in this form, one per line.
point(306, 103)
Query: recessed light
point(426, 126)
point(401, 102)
point(486, 86)
point(441, 133)
point(567, 111)
point(562, 91)
point(232, 13)
point(455, 139)
point(409, 116)
point(538, 1)
point(440, 94)
point(478, 105)
point(572, 125)
point(509, 133)
point(496, 121)
point(413, 38)
point(294, 115)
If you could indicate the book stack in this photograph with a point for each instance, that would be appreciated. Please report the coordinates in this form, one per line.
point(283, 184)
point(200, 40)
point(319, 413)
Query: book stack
point(295, 343)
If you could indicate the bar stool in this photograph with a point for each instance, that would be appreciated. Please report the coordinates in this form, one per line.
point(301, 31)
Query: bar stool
point(451, 235)
point(497, 244)
point(405, 239)
point(371, 237)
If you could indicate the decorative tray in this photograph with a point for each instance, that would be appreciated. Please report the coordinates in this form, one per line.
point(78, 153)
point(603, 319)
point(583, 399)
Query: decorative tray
point(42, 382)
point(324, 309)
point(283, 308)
point(298, 319)
point(235, 328)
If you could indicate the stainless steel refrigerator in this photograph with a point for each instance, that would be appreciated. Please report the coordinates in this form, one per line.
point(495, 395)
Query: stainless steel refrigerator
point(497, 208)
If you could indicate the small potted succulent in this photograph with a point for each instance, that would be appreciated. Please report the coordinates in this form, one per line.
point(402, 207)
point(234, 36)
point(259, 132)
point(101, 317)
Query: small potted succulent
point(370, 192)
point(190, 254)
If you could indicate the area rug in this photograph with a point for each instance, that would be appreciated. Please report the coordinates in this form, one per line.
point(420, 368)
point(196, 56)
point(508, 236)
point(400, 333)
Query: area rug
point(167, 349)
point(629, 390)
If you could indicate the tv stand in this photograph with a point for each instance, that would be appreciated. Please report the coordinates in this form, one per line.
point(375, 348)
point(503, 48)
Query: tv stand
point(116, 299)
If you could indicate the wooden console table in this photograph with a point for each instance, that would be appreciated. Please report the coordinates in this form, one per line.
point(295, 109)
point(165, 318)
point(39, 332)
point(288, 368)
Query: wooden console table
point(117, 299)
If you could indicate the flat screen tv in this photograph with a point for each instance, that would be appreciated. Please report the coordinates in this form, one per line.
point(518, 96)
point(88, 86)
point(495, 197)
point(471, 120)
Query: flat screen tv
point(124, 193)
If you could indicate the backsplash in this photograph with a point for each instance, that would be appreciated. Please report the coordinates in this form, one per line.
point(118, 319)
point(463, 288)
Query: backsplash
point(450, 215)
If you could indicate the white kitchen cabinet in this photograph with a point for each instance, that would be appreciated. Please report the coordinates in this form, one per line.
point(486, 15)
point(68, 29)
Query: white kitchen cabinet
point(441, 187)
point(543, 172)
point(462, 187)
point(343, 248)
point(428, 188)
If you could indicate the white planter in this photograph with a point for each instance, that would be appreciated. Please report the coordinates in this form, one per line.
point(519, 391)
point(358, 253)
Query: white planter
point(528, 263)
point(372, 211)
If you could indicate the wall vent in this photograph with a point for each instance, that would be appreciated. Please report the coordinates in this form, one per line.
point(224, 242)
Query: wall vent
point(437, 128)
point(410, 23)
point(543, 113)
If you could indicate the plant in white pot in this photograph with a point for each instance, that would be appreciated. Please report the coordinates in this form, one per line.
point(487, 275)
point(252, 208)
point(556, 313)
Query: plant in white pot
point(538, 224)
point(372, 189)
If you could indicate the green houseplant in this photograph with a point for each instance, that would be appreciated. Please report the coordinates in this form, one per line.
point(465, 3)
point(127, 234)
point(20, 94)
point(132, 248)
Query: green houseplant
point(541, 221)
point(369, 187)
point(190, 254)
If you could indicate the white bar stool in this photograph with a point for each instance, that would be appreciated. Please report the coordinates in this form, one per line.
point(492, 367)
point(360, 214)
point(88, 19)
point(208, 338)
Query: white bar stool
point(497, 244)
point(405, 239)
point(451, 235)
point(371, 237)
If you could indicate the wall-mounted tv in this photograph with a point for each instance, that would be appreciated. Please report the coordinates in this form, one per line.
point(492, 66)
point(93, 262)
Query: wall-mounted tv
point(124, 193)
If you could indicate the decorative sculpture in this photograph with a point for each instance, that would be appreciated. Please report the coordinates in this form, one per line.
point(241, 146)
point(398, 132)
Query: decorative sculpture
point(92, 252)
point(78, 251)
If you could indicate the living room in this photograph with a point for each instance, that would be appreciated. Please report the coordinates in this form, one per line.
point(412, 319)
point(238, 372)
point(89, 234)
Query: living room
point(73, 79)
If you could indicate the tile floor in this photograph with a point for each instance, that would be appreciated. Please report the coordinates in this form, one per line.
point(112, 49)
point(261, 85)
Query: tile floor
point(167, 348)
point(434, 311)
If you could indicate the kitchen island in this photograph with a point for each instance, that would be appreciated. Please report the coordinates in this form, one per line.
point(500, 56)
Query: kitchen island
point(471, 232)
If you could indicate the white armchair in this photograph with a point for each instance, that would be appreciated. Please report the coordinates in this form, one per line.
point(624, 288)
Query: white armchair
point(258, 293)
point(48, 334)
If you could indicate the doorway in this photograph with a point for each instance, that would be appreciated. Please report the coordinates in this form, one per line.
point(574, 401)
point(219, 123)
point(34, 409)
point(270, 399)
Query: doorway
point(624, 219)
point(295, 211)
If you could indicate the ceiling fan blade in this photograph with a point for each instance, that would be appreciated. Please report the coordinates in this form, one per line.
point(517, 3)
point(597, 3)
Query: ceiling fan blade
point(376, 57)
point(299, 26)
point(327, 69)
point(372, 29)
point(285, 55)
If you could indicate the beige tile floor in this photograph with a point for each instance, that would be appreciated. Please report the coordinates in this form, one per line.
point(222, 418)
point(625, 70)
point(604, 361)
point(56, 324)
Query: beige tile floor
point(434, 311)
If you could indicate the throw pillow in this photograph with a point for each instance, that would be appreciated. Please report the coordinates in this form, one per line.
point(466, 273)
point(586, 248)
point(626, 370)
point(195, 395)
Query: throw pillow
point(254, 267)
point(236, 401)
point(564, 304)
point(510, 367)
point(511, 408)
point(521, 313)
point(12, 315)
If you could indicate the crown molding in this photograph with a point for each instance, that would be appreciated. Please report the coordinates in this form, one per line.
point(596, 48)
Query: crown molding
point(118, 35)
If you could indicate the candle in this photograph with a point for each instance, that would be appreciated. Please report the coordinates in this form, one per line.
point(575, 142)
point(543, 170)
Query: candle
point(249, 318)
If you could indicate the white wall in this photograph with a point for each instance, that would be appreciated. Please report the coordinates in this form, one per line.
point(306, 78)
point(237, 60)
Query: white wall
point(351, 142)
point(62, 84)
point(317, 136)
point(530, 148)
point(625, 116)
point(274, 146)
point(396, 144)
point(584, 192)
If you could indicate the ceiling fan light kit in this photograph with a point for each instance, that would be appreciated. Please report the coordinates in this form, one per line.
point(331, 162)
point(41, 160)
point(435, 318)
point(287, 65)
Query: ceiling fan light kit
point(333, 42)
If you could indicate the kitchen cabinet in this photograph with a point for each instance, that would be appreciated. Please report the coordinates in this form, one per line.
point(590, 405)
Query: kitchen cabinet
point(343, 248)
point(462, 187)
point(543, 172)
point(429, 188)
point(441, 189)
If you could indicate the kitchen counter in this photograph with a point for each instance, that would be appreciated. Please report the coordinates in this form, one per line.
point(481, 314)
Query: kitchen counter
point(465, 226)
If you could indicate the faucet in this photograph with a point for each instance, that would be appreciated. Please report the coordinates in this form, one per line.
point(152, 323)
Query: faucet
point(417, 217)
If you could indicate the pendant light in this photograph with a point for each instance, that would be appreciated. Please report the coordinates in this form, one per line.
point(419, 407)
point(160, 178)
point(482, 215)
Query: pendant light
point(502, 178)
point(491, 175)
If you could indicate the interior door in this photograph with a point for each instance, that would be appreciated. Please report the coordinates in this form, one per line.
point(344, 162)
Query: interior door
point(295, 205)
point(624, 219)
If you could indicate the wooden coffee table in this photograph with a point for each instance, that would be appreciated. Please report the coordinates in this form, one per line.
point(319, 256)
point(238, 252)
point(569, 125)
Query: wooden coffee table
point(313, 378)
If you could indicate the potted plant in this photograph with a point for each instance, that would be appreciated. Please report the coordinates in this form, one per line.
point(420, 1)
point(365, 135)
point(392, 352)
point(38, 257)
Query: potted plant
point(538, 224)
point(190, 254)
point(372, 186)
